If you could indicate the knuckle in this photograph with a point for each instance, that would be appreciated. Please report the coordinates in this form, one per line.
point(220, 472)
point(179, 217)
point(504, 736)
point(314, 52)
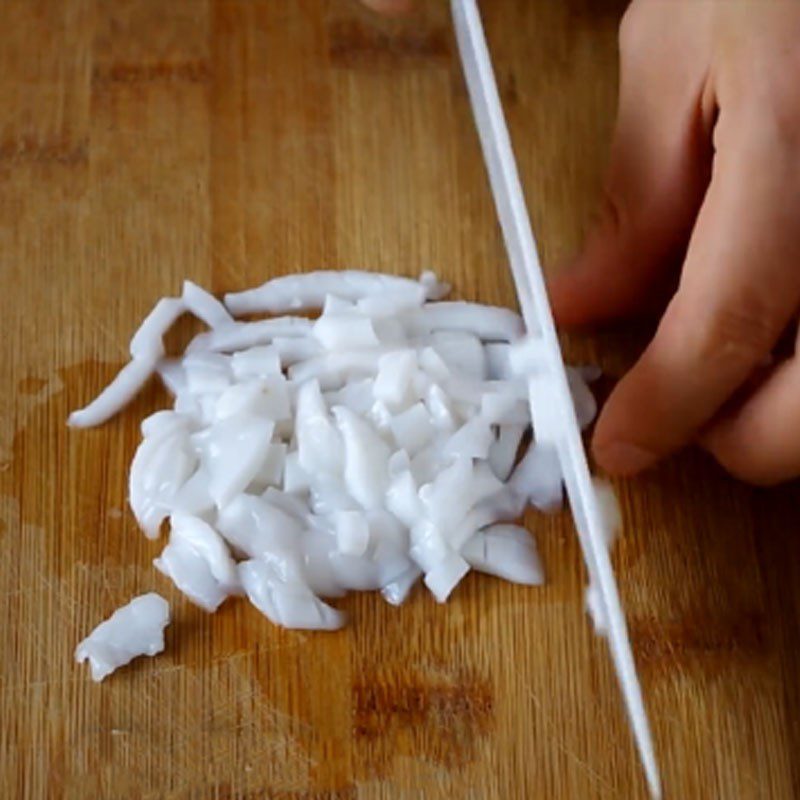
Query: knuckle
point(739, 335)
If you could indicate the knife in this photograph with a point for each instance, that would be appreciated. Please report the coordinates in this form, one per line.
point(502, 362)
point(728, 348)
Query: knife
point(526, 268)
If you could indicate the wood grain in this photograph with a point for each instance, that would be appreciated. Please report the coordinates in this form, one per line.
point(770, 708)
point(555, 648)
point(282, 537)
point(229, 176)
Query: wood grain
point(142, 142)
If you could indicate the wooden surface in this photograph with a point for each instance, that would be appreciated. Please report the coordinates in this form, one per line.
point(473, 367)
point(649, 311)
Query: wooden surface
point(142, 142)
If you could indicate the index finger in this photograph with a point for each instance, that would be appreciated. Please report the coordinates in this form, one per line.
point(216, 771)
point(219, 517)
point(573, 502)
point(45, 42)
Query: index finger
point(739, 288)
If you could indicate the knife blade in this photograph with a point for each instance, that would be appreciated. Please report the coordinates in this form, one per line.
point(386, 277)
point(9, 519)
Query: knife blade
point(535, 307)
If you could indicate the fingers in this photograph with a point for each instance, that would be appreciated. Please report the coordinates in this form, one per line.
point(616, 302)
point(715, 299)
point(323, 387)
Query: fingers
point(388, 6)
point(739, 288)
point(658, 172)
point(760, 441)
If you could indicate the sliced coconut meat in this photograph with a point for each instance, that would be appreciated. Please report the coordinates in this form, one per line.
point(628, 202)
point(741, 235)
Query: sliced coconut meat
point(136, 629)
point(365, 449)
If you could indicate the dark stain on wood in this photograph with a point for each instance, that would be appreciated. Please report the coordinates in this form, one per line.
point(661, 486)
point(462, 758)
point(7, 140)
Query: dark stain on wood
point(227, 792)
point(30, 150)
point(31, 385)
point(507, 87)
point(439, 719)
point(708, 638)
point(353, 44)
point(197, 71)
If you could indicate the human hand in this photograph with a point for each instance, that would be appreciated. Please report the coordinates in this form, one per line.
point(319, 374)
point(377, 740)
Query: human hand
point(705, 169)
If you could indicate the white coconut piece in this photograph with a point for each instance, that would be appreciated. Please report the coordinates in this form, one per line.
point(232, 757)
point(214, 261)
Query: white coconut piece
point(489, 323)
point(339, 331)
point(204, 306)
point(292, 605)
point(366, 459)
point(128, 382)
point(136, 629)
point(309, 290)
point(538, 477)
point(446, 575)
point(507, 551)
point(412, 429)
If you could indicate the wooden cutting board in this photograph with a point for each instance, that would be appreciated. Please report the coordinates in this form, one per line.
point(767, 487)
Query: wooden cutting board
point(142, 142)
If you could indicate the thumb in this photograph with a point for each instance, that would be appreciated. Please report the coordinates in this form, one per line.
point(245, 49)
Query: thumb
point(658, 172)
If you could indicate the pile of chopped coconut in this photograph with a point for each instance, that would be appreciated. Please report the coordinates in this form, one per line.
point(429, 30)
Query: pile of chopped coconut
point(377, 444)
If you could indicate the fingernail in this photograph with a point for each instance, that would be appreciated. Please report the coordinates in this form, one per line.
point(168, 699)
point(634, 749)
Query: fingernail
point(623, 458)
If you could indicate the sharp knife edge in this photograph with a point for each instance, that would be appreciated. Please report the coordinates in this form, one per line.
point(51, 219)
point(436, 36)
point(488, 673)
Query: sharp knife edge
point(535, 307)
